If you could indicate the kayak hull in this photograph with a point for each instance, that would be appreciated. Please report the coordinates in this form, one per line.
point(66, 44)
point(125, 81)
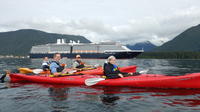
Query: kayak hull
point(156, 81)
point(74, 80)
point(141, 81)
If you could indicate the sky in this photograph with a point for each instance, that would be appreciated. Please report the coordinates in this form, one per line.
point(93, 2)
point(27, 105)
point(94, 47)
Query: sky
point(127, 21)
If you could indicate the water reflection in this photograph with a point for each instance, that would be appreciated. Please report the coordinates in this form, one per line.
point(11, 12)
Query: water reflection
point(108, 98)
point(184, 102)
point(58, 94)
point(169, 97)
point(62, 98)
point(59, 98)
point(4, 86)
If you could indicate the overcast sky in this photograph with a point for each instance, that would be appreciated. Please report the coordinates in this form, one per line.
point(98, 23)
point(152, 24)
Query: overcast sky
point(128, 21)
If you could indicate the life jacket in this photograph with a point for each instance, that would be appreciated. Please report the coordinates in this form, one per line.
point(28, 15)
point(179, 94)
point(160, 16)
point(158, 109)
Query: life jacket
point(81, 64)
point(104, 67)
point(60, 68)
point(46, 65)
point(115, 67)
point(111, 71)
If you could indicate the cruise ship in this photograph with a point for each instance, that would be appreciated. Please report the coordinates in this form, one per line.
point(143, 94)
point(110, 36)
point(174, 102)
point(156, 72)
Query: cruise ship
point(101, 50)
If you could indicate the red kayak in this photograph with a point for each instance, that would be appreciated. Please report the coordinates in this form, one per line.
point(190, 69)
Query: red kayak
point(88, 71)
point(144, 80)
point(99, 70)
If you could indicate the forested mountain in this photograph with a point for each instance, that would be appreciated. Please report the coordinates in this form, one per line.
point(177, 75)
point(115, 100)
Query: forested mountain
point(20, 42)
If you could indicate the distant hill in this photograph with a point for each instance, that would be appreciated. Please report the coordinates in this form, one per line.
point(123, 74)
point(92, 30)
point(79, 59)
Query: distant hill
point(20, 42)
point(189, 40)
point(146, 46)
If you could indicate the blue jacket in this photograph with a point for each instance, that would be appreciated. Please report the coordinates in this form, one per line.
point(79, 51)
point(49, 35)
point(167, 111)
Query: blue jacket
point(55, 67)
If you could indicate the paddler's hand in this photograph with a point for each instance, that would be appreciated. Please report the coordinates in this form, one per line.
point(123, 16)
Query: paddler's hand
point(78, 70)
point(64, 71)
point(130, 73)
point(120, 75)
point(56, 74)
point(63, 65)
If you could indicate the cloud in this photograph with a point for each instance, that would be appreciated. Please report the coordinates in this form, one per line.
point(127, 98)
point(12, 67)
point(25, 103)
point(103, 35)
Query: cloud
point(155, 29)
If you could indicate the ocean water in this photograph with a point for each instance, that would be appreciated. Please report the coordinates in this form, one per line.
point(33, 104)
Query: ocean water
point(31, 97)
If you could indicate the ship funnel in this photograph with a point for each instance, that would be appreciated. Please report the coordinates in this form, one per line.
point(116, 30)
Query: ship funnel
point(63, 41)
point(58, 41)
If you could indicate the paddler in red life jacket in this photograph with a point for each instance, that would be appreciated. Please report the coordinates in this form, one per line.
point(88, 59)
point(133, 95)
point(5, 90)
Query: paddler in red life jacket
point(111, 70)
point(78, 64)
point(55, 67)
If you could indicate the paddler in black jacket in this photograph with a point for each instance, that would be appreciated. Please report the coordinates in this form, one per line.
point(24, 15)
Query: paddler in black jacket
point(111, 70)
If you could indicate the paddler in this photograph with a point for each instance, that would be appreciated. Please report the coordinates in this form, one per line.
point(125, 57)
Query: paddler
point(78, 64)
point(45, 64)
point(55, 67)
point(111, 70)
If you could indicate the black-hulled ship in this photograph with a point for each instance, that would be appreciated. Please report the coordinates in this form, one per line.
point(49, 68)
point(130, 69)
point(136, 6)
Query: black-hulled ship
point(100, 50)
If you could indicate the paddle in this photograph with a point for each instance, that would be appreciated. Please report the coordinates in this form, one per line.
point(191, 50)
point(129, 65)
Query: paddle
point(3, 76)
point(37, 71)
point(25, 70)
point(93, 81)
point(144, 71)
point(28, 70)
point(87, 68)
point(91, 67)
point(67, 74)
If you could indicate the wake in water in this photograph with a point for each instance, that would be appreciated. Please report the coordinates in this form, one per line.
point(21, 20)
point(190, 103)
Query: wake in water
point(2, 86)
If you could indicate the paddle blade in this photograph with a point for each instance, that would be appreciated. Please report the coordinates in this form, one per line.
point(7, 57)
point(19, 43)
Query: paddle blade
point(37, 71)
point(25, 70)
point(63, 75)
point(144, 71)
point(96, 65)
point(93, 81)
point(72, 71)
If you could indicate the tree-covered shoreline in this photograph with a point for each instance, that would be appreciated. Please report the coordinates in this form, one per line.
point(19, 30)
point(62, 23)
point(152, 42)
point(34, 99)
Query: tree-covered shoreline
point(170, 55)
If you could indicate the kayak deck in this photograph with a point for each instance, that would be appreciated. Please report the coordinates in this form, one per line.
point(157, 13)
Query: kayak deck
point(96, 71)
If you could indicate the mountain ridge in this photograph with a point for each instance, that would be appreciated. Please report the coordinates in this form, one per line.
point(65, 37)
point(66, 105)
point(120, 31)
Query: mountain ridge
point(147, 46)
point(19, 42)
point(188, 40)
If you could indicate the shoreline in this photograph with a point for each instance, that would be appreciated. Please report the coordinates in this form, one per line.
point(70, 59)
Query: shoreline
point(145, 55)
point(13, 56)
